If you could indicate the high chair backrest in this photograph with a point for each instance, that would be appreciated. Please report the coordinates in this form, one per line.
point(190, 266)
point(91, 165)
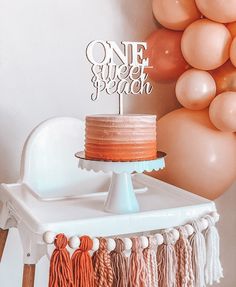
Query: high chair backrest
point(49, 166)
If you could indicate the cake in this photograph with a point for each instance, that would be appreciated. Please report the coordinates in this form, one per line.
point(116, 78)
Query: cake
point(121, 137)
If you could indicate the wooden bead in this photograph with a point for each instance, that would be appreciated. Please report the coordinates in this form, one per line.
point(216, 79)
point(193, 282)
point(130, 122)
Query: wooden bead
point(204, 223)
point(159, 238)
point(111, 244)
point(49, 237)
point(144, 241)
point(175, 233)
point(95, 244)
point(189, 229)
point(215, 216)
point(128, 243)
point(74, 242)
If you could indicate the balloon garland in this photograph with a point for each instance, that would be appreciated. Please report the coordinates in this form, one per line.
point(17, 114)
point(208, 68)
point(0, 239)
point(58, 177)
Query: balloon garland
point(203, 63)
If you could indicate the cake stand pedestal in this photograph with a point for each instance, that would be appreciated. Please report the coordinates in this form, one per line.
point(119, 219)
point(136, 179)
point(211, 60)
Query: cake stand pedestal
point(121, 196)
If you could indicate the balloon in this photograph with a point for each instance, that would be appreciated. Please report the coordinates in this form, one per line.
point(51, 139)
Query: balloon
point(175, 15)
point(222, 112)
point(200, 158)
point(205, 44)
point(195, 89)
point(232, 28)
point(164, 53)
point(225, 78)
point(233, 52)
point(218, 10)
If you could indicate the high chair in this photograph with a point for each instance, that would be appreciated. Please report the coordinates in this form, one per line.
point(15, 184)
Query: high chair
point(53, 194)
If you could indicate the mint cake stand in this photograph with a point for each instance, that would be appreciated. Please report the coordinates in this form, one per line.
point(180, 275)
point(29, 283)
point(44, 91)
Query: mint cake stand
point(121, 194)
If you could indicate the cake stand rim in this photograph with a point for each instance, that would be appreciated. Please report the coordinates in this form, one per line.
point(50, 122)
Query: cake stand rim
point(119, 167)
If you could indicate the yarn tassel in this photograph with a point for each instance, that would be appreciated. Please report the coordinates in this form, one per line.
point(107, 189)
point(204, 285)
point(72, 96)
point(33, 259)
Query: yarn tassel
point(83, 272)
point(60, 273)
point(167, 262)
point(183, 249)
point(102, 265)
point(197, 242)
point(119, 265)
point(137, 266)
point(213, 270)
point(150, 258)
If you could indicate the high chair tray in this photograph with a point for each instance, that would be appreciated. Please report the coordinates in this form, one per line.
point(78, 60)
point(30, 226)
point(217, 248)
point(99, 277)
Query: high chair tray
point(161, 206)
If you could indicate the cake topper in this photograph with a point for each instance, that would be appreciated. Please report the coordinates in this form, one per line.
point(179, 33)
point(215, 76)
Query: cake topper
point(120, 70)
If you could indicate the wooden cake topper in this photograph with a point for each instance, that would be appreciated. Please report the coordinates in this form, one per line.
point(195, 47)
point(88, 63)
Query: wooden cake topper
point(120, 70)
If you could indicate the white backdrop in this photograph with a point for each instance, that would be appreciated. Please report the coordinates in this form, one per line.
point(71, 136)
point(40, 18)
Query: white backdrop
point(44, 73)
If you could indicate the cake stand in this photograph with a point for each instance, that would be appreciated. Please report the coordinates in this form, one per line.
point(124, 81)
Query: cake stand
point(121, 196)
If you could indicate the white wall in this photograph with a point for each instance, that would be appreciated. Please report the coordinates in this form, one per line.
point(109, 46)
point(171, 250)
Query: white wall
point(44, 73)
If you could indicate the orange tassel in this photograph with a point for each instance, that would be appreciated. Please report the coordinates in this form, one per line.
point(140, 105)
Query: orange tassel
point(60, 264)
point(82, 264)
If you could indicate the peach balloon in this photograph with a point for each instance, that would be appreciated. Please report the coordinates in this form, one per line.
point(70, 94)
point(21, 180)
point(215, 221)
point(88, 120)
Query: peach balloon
point(218, 10)
point(200, 158)
point(222, 112)
point(195, 89)
point(175, 14)
point(225, 78)
point(205, 44)
point(165, 56)
point(233, 52)
point(232, 28)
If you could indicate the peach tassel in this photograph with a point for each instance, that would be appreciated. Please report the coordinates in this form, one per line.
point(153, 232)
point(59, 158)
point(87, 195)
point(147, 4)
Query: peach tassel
point(137, 267)
point(119, 265)
point(149, 254)
point(184, 275)
point(60, 264)
point(82, 264)
point(167, 262)
point(102, 265)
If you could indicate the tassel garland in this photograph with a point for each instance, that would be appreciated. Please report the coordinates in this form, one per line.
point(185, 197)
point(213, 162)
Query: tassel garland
point(188, 257)
point(60, 273)
point(82, 264)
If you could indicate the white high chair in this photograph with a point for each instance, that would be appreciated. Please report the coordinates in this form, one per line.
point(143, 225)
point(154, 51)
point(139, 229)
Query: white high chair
point(53, 194)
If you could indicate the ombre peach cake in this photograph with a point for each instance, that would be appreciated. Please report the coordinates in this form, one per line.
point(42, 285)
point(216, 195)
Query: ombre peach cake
point(121, 137)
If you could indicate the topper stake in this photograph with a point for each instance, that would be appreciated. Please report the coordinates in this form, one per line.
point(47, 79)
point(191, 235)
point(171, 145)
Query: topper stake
point(121, 104)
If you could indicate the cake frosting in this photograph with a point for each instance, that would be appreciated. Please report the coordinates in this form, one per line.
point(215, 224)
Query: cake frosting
point(121, 137)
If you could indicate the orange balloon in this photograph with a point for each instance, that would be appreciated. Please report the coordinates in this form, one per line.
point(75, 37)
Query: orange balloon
point(175, 14)
point(195, 89)
point(205, 44)
point(200, 158)
point(225, 78)
point(165, 57)
point(222, 112)
point(233, 52)
point(218, 10)
point(232, 28)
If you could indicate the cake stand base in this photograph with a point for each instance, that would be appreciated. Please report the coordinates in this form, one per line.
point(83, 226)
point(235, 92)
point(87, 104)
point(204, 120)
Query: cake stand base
point(121, 197)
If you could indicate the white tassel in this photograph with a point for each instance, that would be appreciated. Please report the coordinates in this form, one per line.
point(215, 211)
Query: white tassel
point(213, 270)
point(198, 245)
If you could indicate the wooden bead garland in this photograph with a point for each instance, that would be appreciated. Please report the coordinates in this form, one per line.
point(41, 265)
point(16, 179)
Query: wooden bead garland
point(184, 256)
